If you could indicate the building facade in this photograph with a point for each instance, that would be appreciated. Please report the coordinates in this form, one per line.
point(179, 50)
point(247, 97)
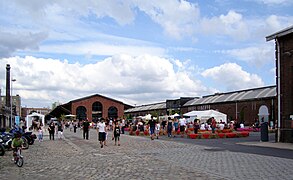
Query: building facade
point(169, 107)
point(16, 104)
point(156, 109)
point(284, 76)
point(247, 106)
point(29, 110)
point(92, 108)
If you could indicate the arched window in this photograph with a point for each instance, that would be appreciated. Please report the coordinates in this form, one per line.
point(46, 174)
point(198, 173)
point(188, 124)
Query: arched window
point(97, 111)
point(112, 112)
point(81, 112)
point(263, 113)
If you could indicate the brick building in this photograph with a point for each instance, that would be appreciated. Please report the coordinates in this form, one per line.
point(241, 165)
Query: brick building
point(244, 106)
point(92, 107)
point(29, 110)
point(284, 75)
point(169, 107)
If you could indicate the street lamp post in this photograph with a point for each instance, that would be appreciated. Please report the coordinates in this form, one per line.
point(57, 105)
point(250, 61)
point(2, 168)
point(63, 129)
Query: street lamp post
point(11, 102)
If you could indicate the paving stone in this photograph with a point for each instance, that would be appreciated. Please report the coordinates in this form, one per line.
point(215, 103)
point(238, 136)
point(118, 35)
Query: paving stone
point(138, 158)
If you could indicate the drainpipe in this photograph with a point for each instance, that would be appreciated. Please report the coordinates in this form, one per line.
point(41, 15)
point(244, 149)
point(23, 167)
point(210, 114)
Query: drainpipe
point(279, 90)
point(236, 113)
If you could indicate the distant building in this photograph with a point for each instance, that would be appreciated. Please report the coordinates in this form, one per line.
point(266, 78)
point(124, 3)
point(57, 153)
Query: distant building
point(169, 107)
point(16, 104)
point(246, 106)
point(92, 107)
point(6, 112)
point(29, 110)
point(156, 109)
point(284, 76)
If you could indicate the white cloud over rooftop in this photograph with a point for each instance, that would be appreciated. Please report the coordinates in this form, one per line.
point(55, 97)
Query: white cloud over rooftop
point(138, 51)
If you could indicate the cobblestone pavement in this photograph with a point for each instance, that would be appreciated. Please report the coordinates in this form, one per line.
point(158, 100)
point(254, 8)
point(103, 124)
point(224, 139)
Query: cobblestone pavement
point(138, 158)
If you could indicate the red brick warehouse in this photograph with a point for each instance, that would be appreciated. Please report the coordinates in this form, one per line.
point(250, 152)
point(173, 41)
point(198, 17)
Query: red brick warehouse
point(92, 107)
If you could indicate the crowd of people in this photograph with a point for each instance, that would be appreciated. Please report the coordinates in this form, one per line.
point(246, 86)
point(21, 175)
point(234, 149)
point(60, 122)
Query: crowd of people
point(103, 127)
point(178, 125)
point(169, 126)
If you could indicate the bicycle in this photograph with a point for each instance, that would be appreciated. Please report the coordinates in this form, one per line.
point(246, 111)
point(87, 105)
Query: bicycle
point(18, 158)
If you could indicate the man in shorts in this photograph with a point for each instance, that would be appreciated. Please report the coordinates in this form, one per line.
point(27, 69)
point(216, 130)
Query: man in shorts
point(152, 125)
point(101, 129)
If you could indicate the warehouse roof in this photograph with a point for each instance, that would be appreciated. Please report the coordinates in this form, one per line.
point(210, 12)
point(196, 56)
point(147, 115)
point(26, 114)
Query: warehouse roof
point(249, 94)
point(148, 107)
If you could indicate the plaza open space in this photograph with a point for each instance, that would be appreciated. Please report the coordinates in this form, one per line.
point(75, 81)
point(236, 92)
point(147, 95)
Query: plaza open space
point(138, 157)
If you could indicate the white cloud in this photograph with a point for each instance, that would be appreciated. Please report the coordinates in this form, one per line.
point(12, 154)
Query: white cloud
point(177, 18)
point(232, 25)
point(100, 48)
point(233, 77)
point(141, 79)
point(275, 2)
point(78, 24)
point(256, 56)
point(10, 42)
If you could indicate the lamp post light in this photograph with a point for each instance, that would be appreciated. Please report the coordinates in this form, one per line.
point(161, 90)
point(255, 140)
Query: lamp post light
point(11, 102)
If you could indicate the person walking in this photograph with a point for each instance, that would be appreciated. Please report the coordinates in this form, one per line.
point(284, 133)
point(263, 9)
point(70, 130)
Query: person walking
point(101, 129)
point(74, 126)
point(116, 133)
point(60, 130)
point(51, 130)
point(169, 127)
point(86, 126)
point(70, 125)
point(195, 126)
point(152, 124)
point(176, 126)
point(40, 134)
point(158, 128)
point(123, 125)
point(182, 122)
point(213, 125)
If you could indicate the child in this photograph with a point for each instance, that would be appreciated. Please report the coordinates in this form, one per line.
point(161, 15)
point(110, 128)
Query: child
point(16, 142)
point(40, 134)
point(157, 130)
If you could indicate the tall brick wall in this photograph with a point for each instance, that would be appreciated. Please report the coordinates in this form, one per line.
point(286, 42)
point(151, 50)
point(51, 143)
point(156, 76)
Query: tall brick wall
point(286, 83)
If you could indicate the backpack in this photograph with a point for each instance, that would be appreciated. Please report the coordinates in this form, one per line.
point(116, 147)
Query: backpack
point(117, 130)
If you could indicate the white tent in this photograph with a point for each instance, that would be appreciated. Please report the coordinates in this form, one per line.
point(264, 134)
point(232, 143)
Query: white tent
point(148, 117)
point(203, 116)
point(29, 119)
point(175, 115)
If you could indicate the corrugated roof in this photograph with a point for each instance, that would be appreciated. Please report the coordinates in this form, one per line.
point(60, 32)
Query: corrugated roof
point(147, 107)
point(250, 94)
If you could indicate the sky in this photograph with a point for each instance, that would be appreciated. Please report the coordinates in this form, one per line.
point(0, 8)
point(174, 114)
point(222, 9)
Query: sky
point(137, 51)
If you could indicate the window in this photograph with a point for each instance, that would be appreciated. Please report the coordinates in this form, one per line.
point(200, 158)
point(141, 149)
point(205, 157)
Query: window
point(97, 111)
point(112, 112)
point(81, 112)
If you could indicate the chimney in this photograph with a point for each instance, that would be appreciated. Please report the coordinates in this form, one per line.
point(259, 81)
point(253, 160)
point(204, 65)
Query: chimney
point(8, 85)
